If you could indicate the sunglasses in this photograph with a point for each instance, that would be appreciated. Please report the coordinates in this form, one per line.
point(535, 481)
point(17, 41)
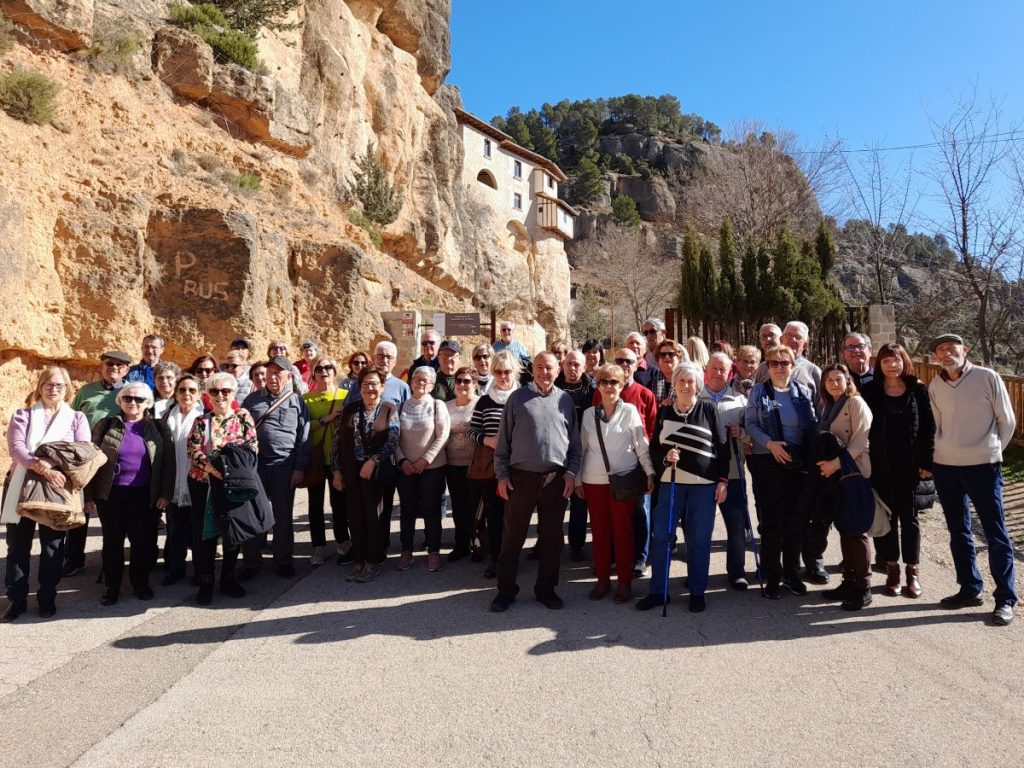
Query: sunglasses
point(650, 332)
point(667, 355)
point(133, 399)
point(183, 390)
point(229, 366)
point(205, 371)
point(428, 343)
point(779, 363)
point(322, 368)
point(219, 392)
point(608, 383)
point(624, 361)
point(280, 348)
point(359, 363)
point(463, 381)
point(114, 364)
point(503, 373)
point(481, 357)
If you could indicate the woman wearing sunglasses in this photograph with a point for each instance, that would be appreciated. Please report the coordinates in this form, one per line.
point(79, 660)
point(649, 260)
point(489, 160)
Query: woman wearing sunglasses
point(203, 367)
point(780, 420)
point(324, 402)
point(179, 418)
point(357, 361)
point(458, 456)
point(131, 489)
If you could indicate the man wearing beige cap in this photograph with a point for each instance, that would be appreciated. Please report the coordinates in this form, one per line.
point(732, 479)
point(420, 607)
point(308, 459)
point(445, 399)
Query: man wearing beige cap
point(974, 422)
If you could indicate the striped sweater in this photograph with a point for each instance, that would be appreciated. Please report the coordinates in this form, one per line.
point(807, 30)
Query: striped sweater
point(704, 457)
point(486, 419)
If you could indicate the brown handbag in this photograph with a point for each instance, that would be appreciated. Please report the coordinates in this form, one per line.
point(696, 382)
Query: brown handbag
point(482, 465)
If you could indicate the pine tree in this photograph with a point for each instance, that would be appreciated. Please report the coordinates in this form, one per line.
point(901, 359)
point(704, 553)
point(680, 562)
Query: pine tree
point(372, 189)
point(729, 298)
point(624, 211)
point(588, 185)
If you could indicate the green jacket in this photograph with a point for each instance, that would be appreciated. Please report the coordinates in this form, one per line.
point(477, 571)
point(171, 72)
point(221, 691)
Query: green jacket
point(108, 434)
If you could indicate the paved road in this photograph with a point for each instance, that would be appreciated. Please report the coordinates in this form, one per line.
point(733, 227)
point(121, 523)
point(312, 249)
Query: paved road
point(413, 670)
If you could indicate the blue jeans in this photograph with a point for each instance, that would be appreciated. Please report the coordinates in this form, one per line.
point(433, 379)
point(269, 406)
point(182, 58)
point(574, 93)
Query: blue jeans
point(695, 504)
point(983, 485)
point(734, 513)
point(642, 529)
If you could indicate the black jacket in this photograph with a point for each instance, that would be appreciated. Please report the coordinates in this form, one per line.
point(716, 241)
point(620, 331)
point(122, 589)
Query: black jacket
point(921, 427)
point(240, 504)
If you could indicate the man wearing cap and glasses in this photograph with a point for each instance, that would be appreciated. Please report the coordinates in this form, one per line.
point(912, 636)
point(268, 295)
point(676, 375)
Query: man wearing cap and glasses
point(282, 427)
point(429, 343)
point(974, 423)
point(449, 358)
point(96, 401)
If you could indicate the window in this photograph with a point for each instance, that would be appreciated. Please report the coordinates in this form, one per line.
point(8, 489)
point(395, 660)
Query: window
point(487, 147)
point(517, 201)
point(551, 180)
point(486, 177)
point(517, 169)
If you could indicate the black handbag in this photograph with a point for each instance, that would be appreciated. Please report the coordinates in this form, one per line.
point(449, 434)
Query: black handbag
point(625, 486)
point(924, 494)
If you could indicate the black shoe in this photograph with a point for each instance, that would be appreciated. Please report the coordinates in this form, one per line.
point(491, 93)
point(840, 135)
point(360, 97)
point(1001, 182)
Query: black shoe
point(740, 583)
point(794, 585)
point(965, 598)
point(841, 593)
point(577, 556)
point(532, 554)
point(195, 580)
point(550, 600)
point(232, 589)
point(457, 554)
point(72, 569)
point(172, 577)
point(857, 599)
point(491, 571)
point(697, 603)
point(501, 603)
point(144, 593)
point(476, 556)
point(815, 575)
point(109, 597)
point(13, 611)
point(651, 601)
point(772, 591)
point(345, 559)
point(47, 609)
point(205, 596)
point(286, 571)
point(247, 573)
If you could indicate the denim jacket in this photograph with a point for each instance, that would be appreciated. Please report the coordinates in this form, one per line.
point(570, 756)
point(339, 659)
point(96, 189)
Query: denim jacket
point(760, 424)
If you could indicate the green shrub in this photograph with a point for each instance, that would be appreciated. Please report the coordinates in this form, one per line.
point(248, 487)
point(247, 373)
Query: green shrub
point(207, 21)
point(28, 96)
point(249, 182)
point(361, 221)
point(115, 44)
point(250, 15)
point(6, 34)
point(372, 188)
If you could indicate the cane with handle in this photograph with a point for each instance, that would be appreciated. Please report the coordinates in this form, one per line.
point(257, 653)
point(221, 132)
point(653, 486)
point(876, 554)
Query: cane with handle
point(670, 523)
point(746, 513)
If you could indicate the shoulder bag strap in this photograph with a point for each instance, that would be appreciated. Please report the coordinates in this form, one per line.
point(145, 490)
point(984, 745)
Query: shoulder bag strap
point(600, 441)
point(273, 407)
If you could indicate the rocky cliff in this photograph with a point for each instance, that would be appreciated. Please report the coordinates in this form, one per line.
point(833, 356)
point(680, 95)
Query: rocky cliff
point(202, 200)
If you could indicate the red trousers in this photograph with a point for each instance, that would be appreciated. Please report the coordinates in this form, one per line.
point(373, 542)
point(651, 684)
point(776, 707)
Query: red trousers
point(610, 520)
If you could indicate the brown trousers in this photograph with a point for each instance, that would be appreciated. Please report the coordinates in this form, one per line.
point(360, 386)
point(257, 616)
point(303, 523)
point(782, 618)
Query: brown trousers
point(528, 493)
point(856, 559)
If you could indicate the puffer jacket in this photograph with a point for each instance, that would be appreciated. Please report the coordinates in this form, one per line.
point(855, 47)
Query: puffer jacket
point(60, 508)
point(108, 434)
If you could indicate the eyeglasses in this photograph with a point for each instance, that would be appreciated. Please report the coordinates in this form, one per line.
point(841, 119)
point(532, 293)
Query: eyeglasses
point(49, 385)
point(229, 366)
point(651, 332)
point(279, 347)
point(503, 373)
point(855, 347)
point(481, 357)
point(667, 355)
point(133, 399)
point(115, 364)
point(608, 383)
point(322, 368)
point(463, 381)
point(624, 361)
point(220, 392)
point(359, 363)
point(779, 363)
point(183, 390)
point(205, 371)
point(380, 356)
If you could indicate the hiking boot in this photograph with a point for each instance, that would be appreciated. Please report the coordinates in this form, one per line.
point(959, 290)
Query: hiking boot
point(1002, 615)
point(857, 599)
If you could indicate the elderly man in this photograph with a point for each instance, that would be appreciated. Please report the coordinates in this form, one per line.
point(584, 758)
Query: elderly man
point(974, 423)
point(505, 341)
point(730, 406)
point(282, 428)
point(429, 345)
point(857, 357)
point(654, 334)
point(641, 372)
point(449, 360)
point(796, 336)
point(152, 349)
point(768, 335)
point(536, 462)
point(748, 358)
point(242, 345)
point(279, 348)
point(574, 381)
point(96, 401)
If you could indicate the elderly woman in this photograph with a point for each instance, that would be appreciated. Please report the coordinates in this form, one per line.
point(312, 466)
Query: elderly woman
point(780, 420)
point(483, 354)
point(483, 428)
point(223, 425)
point(458, 455)
point(902, 441)
point(593, 353)
point(748, 358)
point(614, 441)
point(236, 363)
point(356, 362)
point(420, 457)
point(131, 489)
point(257, 376)
point(694, 466)
point(180, 419)
point(847, 419)
point(364, 445)
point(324, 402)
point(668, 355)
point(559, 349)
point(165, 374)
point(46, 418)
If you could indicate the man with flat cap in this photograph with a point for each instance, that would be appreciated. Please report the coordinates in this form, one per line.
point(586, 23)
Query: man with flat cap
point(449, 358)
point(974, 422)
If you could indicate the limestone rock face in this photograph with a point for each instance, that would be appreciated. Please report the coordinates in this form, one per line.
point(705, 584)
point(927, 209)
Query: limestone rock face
point(654, 200)
point(62, 24)
point(127, 215)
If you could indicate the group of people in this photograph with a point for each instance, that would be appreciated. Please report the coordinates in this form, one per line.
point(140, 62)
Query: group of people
point(649, 439)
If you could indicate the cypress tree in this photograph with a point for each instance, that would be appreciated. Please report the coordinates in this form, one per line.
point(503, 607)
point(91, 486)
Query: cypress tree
point(689, 300)
point(729, 299)
point(751, 289)
point(825, 248)
point(707, 282)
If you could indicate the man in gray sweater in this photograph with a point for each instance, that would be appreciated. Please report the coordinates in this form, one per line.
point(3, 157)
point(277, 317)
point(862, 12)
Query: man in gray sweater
point(974, 422)
point(536, 462)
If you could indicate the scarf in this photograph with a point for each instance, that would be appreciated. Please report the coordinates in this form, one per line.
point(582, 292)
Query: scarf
point(39, 432)
point(830, 411)
point(499, 396)
point(181, 427)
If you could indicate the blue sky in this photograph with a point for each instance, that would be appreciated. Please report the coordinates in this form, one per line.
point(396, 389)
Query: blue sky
point(869, 72)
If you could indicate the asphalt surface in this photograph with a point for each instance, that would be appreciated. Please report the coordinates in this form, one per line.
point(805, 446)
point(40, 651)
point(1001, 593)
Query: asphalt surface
point(412, 669)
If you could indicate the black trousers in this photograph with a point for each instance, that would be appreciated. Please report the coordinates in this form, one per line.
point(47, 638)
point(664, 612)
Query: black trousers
point(779, 492)
point(421, 496)
point(317, 521)
point(128, 513)
point(277, 481)
point(74, 544)
point(494, 514)
point(179, 539)
point(204, 551)
point(822, 497)
point(465, 500)
point(51, 560)
point(365, 519)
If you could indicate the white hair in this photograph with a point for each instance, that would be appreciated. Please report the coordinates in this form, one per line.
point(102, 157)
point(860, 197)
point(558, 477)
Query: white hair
point(863, 338)
point(131, 386)
point(385, 346)
point(428, 335)
point(687, 369)
point(426, 371)
point(801, 326)
point(658, 325)
point(771, 326)
point(720, 356)
point(222, 380)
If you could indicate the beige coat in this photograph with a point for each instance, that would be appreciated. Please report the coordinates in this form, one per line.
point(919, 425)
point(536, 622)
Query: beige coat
point(852, 426)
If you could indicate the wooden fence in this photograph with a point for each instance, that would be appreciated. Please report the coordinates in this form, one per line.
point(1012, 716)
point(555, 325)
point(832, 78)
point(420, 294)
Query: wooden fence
point(926, 371)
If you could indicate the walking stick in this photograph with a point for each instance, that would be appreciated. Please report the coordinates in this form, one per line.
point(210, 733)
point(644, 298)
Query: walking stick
point(671, 524)
point(746, 513)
